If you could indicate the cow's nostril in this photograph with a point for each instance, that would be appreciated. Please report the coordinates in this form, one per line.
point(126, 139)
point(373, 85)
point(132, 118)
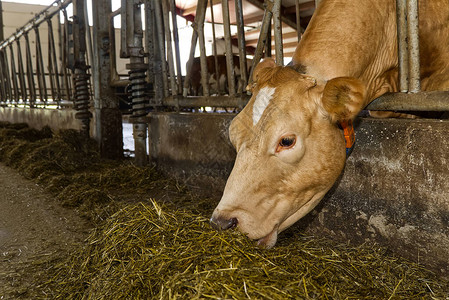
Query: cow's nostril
point(223, 224)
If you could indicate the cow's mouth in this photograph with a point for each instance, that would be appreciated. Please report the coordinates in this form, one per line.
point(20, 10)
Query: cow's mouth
point(270, 239)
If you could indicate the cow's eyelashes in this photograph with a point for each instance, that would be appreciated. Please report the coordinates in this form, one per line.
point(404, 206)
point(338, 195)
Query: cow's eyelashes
point(286, 142)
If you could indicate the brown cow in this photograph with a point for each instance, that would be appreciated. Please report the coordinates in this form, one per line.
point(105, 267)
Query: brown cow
point(290, 149)
point(217, 86)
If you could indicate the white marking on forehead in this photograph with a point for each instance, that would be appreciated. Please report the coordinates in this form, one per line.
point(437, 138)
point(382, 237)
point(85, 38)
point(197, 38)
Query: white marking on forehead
point(263, 98)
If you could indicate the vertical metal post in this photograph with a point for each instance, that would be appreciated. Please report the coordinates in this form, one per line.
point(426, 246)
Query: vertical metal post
point(214, 47)
point(53, 64)
point(108, 118)
point(264, 32)
point(199, 21)
point(80, 67)
point(22, 82)
point(40, 71)
point(268, 42)
point(132, 46)
point(3, 92)
point(413, 46)
point(14, 74)
point(298, 21)
point(30, 76)
point(6, 75)
point(277, 24)
point(64, 56)
point(176, 42)
point(401, 12)
point(228, 46)
point(241, 43)
point(171, 66)
point(190, 61)
point(154, 55)
point(161, 44)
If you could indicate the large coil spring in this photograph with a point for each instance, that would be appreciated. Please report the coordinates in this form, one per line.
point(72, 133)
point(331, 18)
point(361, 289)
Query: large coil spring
point(81, 96)
point(137, 92)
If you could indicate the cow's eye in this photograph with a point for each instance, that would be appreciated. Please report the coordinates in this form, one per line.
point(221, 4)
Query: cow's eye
point(286, 142)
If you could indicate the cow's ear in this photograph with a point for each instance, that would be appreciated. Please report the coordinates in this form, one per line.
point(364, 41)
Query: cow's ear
point(343, 98)
point(260, 72)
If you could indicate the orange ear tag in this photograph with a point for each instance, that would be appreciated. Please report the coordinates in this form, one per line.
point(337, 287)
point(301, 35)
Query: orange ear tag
point(348, 131)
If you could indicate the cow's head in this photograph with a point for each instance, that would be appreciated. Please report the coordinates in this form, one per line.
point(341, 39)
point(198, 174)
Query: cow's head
point(290, 150)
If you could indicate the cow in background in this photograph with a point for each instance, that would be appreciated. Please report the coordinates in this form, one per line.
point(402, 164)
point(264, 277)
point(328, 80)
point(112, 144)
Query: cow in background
point(217, 86)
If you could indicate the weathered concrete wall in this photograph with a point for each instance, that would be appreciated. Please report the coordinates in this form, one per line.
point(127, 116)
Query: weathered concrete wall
point(56, 119)
point(394, 189)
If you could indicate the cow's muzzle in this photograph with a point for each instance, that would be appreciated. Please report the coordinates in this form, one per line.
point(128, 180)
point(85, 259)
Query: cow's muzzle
point(222, 223)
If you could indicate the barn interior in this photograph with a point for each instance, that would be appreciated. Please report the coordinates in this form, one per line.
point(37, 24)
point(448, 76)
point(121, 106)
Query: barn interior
point(156, 83)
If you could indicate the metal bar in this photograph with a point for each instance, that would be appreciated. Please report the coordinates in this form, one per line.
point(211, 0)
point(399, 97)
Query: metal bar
point(277, 24)
point(30, 75)
point(298, 21)
point(214, 47)
point(155, 56)
point(40, 71)
point(22, 82)
point(7, 74)
point(413, 46)
point(51, 74)
point(14, 74)
point(262, 39)
point(3, 93)
point(89, 57)
point(190, 61)
point(176, 42)
point(228, 46)
point(242, 44)
point(268, 43)
point(216, 101)
point(171, 63)
point(422, 101)
point(53, 62)
point(161, 44)
point(199, 20)
point(64, 57)
point(401, 12)
point(48, 12)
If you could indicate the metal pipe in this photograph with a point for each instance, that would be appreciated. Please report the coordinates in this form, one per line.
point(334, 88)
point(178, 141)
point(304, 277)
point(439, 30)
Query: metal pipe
point(171, 66)
point(3, 92)
point(401, 12)
point(51, 74)
point(161, 44)
point(23, 88)
point(298, 21)
point(154, 55)
point(228, 46)
point(268, 42)
point(242, 44)
point(30, 76)
point(214, 47)
point(14, 74)
point(193, 43)
point(413, 46)
point(53, 63)
point(7, 74)
point(422, 101)
point(204, 101)
point(176, 42)
point(262, 38)
point(277, 24)
point(64, 58)
point(40, 71)
point(201, 14)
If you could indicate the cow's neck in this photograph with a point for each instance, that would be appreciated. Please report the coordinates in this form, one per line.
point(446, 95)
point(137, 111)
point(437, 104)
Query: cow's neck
point(357, 39)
